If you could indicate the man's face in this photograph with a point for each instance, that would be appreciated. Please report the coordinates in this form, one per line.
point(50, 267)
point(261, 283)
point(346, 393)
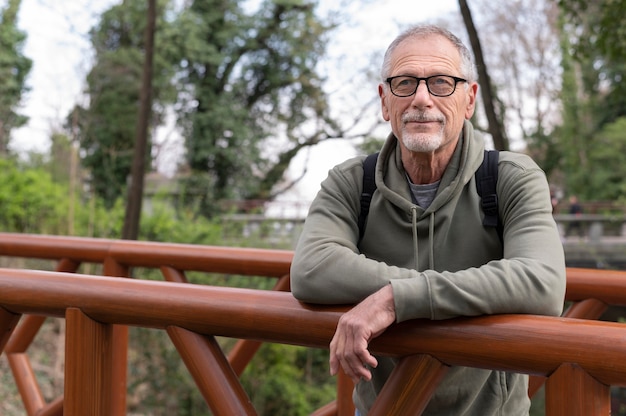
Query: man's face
point(423, 122)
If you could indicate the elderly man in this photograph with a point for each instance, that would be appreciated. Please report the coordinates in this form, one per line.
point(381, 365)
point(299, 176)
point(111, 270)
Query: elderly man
point(425, 252)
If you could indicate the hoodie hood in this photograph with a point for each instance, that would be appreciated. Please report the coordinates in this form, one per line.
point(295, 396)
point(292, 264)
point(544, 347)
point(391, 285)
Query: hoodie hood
point(391, 177)
point(392, 184)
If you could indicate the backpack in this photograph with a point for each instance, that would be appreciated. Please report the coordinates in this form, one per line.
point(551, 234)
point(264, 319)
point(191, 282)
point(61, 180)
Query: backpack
point(486, 180)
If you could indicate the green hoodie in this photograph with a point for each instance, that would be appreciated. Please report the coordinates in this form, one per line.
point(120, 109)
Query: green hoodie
point(441, 262)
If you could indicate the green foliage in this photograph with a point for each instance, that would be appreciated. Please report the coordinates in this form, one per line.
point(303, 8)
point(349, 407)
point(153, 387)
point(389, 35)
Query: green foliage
point(607, 162)
point(30, 201)
point(585, 149)
point(165, 225)
point(244, 78)
point(106, 128)
point(94, 218)
point(62, 156)
point(603, 23)
point(14, 68)
point(241, 81)
point(284, 380)
point(597, 38)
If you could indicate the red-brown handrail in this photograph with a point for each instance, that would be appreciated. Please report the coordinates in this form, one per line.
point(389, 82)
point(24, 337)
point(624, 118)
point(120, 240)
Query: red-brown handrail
point(117, 257)
point(521, 343)
point(591, 290)
point(216, 259)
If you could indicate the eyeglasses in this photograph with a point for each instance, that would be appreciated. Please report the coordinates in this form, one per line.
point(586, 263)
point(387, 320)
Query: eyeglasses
point(437, 85)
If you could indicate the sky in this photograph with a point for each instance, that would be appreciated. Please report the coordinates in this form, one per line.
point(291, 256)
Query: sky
point(58, 45)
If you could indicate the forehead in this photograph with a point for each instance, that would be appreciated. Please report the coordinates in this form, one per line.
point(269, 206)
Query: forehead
point(425, 55)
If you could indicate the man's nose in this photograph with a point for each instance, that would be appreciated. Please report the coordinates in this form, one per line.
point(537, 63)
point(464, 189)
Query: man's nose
point(421, 95)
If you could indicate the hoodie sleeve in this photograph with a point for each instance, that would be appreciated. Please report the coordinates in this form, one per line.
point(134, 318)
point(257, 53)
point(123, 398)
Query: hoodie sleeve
point(327, 267)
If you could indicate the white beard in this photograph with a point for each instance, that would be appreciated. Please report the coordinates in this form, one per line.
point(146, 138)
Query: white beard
point(422, 142)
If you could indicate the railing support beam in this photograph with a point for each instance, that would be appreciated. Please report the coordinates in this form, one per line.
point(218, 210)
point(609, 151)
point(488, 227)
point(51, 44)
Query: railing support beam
point(8, 322)
point(571, 391)
point(25, 334)
point(586, 309)
point(54, 408)
point(26, 383)
point(213, 374)
point(410, 386)
point(345, 386)
point(88, 366)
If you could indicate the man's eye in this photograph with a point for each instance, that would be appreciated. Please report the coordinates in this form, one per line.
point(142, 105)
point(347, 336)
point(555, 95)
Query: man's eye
point(440, 81)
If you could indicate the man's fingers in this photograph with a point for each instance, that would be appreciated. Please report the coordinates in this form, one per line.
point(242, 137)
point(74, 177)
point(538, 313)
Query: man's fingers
point(351, 359)
point(348, 348)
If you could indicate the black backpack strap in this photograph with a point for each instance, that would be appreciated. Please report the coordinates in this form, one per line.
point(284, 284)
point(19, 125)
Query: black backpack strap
point(486, 180)
point(369, 186)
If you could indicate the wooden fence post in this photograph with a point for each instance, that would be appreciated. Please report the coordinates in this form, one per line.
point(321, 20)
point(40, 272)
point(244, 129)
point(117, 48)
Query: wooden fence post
point(571, 391)
point(120, 346)
point(88, 366)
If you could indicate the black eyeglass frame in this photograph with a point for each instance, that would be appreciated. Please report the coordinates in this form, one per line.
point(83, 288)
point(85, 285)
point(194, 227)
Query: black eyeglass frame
point(456, 81)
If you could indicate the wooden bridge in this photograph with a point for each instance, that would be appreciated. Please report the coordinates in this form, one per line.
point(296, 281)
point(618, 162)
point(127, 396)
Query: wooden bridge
point(577, 357)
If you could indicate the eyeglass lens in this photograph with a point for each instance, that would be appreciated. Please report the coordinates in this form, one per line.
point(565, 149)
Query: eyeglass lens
point(438, 85)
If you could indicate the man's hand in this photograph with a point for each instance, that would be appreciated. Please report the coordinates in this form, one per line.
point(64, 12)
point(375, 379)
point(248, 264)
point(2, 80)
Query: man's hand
point(356, 328)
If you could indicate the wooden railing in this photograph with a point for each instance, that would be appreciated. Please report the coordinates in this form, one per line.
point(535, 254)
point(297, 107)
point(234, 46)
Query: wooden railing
point(577, 359)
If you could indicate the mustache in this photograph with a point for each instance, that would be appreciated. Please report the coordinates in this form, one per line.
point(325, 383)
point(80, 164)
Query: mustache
point(422, 117)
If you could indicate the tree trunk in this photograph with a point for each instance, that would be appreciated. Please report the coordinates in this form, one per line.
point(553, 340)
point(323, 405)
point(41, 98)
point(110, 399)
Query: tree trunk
point(496, 129)
point(135, 188)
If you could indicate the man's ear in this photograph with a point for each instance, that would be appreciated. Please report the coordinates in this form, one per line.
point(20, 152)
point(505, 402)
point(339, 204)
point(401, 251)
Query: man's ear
point(471, 92)
point(383, 102)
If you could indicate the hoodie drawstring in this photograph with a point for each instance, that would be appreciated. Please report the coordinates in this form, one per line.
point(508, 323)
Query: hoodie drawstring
point(414, 226)
point(431, 243)
point(431, 238)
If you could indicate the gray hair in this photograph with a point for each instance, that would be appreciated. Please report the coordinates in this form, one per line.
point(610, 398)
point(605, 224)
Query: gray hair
point(468, 68)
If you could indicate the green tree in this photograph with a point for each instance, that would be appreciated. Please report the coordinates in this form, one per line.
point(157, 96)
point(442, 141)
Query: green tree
point(30, 201)
point(247, 78)
point(598, 36)
point(60, 165)
point(594, 65)
point(14, 68)
point(607, 160)
point(135, 188)
point(575, 132)
point(603, 23)
point(106, 128)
